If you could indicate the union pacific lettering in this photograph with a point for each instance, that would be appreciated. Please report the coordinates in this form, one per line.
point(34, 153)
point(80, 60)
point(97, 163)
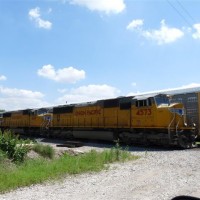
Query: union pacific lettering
point(88, 112)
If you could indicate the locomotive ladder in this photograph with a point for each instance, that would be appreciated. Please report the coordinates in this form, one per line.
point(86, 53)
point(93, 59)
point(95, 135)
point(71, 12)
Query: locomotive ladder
point(45, 125)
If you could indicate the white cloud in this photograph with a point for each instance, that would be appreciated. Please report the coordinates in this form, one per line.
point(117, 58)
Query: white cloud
point(161, 36)
point(164, 35)
point(65, 75)
point(135, 24)
point(107, 6)
point(35, 15)
point(62, 91)
point(20, 92)
point(197, 34)
point(14, 99)
point(134, 84)
point(3, 78)
point(89, 93)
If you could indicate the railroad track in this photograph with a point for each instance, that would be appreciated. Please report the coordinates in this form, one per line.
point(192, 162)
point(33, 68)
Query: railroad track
point(71, 144)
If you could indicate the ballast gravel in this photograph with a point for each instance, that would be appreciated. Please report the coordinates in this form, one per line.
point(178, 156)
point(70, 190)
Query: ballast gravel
point(157, 175)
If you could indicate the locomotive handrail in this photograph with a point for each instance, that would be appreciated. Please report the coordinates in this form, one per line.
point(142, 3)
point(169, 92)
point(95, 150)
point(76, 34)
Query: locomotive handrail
point(170, 126)
point(184, 117)
point(45, 124)
point(42, 124)
point(48, 122)
point(177, 125)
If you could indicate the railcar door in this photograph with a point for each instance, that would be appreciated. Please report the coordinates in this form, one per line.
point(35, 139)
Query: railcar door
point(111, 107)
point(124, 114)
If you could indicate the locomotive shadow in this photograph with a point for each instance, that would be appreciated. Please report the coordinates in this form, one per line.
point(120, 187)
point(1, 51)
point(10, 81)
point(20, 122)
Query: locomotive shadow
point(75, 143)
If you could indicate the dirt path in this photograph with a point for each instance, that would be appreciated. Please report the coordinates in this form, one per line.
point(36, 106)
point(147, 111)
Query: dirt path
point(157, 175)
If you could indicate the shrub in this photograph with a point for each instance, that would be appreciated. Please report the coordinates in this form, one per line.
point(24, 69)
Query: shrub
point(14, 148)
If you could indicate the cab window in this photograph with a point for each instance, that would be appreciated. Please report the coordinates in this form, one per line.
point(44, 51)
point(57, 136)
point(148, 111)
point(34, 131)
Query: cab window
point(143, 103)
point(162, 100)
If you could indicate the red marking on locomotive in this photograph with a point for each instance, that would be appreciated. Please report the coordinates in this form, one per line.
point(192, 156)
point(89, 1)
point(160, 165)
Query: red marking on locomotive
point(143, 112)
point(88, 112)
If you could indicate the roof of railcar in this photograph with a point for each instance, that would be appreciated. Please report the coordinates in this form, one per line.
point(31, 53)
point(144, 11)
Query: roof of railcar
point(171, 91)
point(183, 90)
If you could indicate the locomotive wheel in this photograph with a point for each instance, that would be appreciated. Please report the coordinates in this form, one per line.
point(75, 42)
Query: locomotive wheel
point(185, 142)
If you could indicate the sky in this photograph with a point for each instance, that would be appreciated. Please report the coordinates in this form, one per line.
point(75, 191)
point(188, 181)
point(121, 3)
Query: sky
point(54, 52)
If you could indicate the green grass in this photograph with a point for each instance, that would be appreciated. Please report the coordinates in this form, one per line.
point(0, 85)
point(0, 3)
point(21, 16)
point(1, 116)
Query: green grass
point(44, 150)
point(40, 170)
point(2, 156)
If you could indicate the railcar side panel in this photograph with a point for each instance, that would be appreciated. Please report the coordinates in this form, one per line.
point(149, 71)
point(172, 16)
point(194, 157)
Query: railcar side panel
point(124, 121)
point(93, 116)
point(63, 116)
point(143, 114)
point(36, 121)
point(110, 117)
point(19, 119)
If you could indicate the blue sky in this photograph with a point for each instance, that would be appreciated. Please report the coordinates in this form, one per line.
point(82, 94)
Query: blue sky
point(53, 51)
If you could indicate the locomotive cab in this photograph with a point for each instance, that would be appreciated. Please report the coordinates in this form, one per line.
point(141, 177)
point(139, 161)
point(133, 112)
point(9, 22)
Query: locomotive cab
point(154, 117)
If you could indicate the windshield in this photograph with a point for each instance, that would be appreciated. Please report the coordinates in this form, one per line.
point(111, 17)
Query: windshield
point(162, 100)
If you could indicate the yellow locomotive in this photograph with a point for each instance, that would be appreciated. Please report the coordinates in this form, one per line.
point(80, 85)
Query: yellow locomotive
point(139, 119)
point(149, 119)
point(29, 121)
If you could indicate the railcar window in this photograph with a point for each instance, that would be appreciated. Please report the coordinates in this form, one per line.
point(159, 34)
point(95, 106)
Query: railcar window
point(175, 100)
point(162, 100)
point(149, 102)
point(192, 99)
point(180, 100)
point(142, 103)
point(139, 103)
point(41, 111)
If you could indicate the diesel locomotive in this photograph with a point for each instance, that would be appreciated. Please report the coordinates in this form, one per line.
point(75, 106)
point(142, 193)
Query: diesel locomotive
point(144, 119)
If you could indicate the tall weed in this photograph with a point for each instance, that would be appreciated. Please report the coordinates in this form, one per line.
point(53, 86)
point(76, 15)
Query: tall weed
point(44, 150)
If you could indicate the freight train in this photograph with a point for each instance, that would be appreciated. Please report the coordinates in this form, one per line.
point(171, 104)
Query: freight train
point(145, 119)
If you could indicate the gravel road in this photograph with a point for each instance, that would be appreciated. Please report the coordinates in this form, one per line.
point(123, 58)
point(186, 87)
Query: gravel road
point(157, 175)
